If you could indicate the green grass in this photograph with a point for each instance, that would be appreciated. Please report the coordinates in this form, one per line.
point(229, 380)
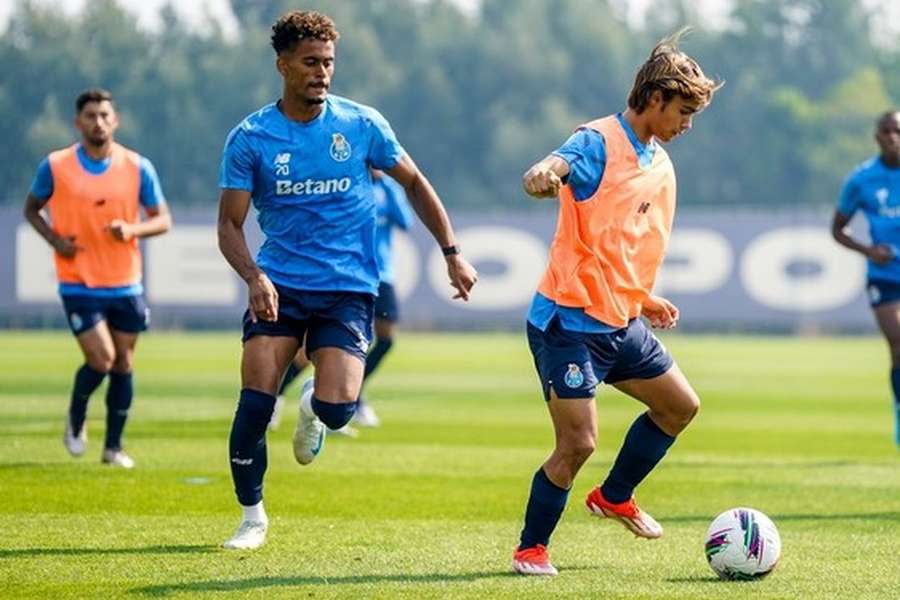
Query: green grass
point(430, 505)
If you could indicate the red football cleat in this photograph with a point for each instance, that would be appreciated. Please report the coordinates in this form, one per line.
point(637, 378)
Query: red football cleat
point(533, 561)
point(628, 513)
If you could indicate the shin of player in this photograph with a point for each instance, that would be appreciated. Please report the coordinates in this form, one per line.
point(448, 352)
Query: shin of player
point(616, 191)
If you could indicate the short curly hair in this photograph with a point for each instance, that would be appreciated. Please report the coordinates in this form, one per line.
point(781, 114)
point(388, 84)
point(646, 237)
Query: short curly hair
point(298, 25)
point(671, 71)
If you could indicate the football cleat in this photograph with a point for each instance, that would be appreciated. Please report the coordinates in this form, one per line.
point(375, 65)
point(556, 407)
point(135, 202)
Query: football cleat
point(365, 415)
point(533, 561)
point(249, 535)
point(75, 444)
point(627, 513)
point(309, 435)
point(345, 431)
point(275, 419)
point(116, 458)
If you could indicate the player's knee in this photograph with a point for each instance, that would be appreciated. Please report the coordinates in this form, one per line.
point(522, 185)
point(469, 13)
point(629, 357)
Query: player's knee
point(100, 361)
point(576, 450)
point(895, 353)
point(684, 412)
point(122, 364)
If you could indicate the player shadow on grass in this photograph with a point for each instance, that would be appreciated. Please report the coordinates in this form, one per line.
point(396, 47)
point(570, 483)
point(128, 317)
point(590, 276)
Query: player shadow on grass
point(31, 552)
point(235, 585)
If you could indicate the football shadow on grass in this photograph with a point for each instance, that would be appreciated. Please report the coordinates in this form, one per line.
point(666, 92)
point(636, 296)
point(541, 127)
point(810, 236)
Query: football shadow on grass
point(710, 579)
point(34, 552)
point(236, 585)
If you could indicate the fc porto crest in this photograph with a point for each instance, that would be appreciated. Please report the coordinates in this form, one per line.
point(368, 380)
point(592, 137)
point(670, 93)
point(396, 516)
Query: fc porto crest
point(340, 148)
point(574, 377)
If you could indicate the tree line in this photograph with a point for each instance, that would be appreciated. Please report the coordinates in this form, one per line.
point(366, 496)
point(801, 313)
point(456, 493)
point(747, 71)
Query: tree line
point(475, 99)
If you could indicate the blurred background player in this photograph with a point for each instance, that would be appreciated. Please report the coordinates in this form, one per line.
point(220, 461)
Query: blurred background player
point(304, 163)
point(393, 212)
point(93, 192)
point(616, 190)
point(874, 188)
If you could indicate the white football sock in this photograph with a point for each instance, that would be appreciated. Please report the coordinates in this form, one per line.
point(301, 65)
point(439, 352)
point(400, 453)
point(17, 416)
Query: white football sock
point(255, 513)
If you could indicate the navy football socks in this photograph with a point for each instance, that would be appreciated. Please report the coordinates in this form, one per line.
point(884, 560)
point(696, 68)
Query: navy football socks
point(87, 380)
point(118, 400)
point(545, 507)
point(895, 383)
point(377, 353)
point(334, 416)
point(247, 445)
point(645, 445)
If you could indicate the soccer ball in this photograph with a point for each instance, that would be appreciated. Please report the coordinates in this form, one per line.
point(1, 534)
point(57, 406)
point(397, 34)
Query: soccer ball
point(742, 543)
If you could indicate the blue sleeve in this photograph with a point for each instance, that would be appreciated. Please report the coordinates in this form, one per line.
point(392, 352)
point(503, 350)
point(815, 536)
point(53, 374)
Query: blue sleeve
point(42, 186)
point(384, 150)
point(585, 152)
point(848, 203)
point(151, 191)
point(399, 211)
point(236, 171)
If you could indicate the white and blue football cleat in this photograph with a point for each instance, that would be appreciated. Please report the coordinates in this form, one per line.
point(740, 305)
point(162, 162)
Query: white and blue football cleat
point(249, 535)
point(309, 435)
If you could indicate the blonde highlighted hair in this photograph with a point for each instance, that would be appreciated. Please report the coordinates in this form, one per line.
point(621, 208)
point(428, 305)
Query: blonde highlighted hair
point(671, 72)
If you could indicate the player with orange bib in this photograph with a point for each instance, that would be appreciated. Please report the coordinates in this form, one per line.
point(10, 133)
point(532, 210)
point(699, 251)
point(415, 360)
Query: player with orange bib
point(616, 190)
point(93, 192)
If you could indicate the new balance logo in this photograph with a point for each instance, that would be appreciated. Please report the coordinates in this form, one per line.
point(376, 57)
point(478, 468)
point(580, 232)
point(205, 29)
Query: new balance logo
point(242, 462)
point(283, 158)
point(643, 208)
point(286, 187)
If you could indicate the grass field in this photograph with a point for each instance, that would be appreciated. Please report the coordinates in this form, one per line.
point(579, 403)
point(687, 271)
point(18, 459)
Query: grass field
point(430, 505)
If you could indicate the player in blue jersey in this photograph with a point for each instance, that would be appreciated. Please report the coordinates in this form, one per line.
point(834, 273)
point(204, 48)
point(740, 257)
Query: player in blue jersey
point(392, 212)
point(873, 188)
point(93, 193)
point(303, 162)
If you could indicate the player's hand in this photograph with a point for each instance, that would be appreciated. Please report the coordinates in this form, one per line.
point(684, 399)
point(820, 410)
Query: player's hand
point(65, 246)
point(880, 254)
point(462, 276)
point(263, 298)
point(541, 181)
point(661, 313)
point(121, 230)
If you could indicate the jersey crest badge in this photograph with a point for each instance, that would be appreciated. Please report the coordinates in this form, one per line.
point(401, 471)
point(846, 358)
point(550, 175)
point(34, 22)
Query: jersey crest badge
point(882, 195)
point(574, 377)
point(340, 148)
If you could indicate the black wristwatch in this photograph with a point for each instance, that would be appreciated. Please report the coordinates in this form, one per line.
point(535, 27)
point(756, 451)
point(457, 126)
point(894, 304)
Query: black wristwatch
point(450, 250)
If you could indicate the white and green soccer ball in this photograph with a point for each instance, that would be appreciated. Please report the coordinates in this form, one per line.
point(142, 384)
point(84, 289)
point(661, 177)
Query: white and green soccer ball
point(742, 543)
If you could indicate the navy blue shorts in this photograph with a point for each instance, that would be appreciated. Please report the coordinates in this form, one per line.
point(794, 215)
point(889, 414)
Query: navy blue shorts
point(129, 314)
point(386, 306)
point(573, 363)
point(320, 319)
point(882, 292)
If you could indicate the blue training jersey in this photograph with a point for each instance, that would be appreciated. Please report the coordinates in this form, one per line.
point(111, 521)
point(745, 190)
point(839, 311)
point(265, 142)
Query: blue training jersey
point(311, 187)
point(585, 153)
point(393, 211)
point(874, 189)
point(150, 196)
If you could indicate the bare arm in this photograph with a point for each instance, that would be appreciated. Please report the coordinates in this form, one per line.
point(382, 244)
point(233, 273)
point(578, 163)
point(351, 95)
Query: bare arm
point(430, 209)
point(158, 221)
point(233, 208)
point(840, 231)
point(544, 178)
point(62, 245)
